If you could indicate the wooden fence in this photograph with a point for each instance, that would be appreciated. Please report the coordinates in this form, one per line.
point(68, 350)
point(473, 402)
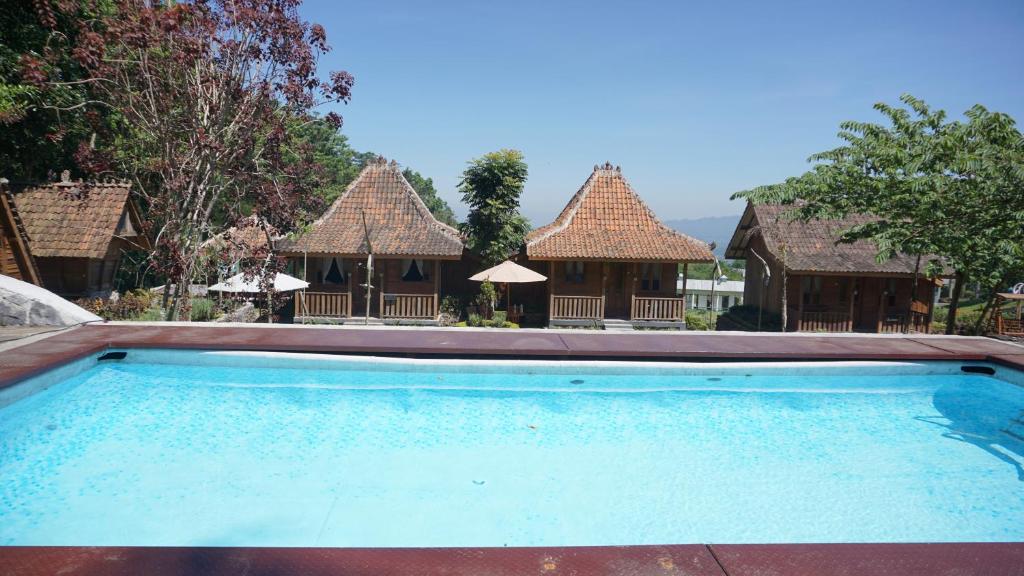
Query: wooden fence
point(577, 307)
point(324, 304)
point(663, 309)
point(408, 306)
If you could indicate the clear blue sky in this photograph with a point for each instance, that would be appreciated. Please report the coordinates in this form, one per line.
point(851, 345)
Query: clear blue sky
point(694, 100)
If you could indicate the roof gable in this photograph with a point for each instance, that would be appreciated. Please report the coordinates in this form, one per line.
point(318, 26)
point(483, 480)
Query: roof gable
point(75, 219)
point(607, 220)
point(398, 221)
point(812, 246)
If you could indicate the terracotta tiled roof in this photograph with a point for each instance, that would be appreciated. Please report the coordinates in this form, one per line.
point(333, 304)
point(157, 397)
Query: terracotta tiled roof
point(399, 223)
point(811, 246)
point(241, 240)
point(75, 219)
point(607, 220)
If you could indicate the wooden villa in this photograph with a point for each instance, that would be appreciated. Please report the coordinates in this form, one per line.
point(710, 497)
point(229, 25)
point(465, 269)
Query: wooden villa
point(78, 232)
point(410, 251)
point(608, 258)
point(15, 257)
point(830, 287)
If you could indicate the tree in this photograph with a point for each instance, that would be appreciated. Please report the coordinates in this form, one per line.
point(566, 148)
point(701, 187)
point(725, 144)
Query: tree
point(424, 187)
point(491, 186)
point(338, 161)
point(42, 130)
point(209, 97)
point(947, 192)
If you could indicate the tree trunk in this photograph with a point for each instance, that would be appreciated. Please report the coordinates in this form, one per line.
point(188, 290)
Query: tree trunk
point(954, 302)
point(989, 303)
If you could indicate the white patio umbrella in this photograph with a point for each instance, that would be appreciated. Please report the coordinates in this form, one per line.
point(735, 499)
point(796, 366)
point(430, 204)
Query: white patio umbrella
point(508, 272)
point(238, 283)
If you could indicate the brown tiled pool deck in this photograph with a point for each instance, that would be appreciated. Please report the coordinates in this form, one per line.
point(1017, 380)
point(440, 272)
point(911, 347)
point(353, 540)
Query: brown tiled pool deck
point(947, 559)
point(31, 359)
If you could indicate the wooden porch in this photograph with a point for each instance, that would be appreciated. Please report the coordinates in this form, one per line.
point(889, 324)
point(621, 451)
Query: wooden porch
point(321, 306)
point(338, 292)
point(576, 310)
point(832, 321)
point(588, 293)
point(843, 304)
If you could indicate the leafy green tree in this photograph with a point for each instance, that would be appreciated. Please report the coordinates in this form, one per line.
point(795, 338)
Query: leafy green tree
point(338, 162)
point(949, 192)
point(491, 186)
point(43, 129)
point(425, 188)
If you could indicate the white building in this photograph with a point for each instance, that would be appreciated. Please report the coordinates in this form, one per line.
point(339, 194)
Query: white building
point(699, 296)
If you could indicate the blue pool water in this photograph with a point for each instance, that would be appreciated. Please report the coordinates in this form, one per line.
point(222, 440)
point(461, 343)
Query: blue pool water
point(172, 448)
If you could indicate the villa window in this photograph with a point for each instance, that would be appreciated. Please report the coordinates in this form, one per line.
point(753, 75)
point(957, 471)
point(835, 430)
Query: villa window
point(725, 303)
point(810, 290)
point(844, 290)
point(650, 277)
point(413, 271)
point(335, 271)
point(890, 289)
point(574, 271)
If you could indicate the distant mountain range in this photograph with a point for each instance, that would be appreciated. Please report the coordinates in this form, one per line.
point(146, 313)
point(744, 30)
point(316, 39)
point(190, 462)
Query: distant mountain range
point(717, 229)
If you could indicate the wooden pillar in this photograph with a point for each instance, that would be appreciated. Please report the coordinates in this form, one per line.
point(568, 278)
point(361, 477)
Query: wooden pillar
point(852, 295)
point(380, 288)
point(881, 309)
point(686, 272)
point(437, 280)
point(799, 304)
point(551, 289)
point(351, 277)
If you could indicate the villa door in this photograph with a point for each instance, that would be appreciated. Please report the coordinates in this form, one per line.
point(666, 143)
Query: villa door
point(616, 290)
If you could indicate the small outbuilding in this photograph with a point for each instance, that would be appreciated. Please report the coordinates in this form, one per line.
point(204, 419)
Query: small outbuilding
point(829, 286)
point(380, 214)
point(607, 256)
point(78, 232)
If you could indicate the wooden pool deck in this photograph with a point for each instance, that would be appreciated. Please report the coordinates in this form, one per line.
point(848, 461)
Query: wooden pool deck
point(991, 559)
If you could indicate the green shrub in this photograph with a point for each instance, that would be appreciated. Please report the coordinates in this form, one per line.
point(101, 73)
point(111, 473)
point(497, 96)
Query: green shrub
point(499, 317)
point(451, 307)
point(202, 310)
point(697, 321)
point(744, 317)
point(129, 306)
point(474, 320)
point(485, 299)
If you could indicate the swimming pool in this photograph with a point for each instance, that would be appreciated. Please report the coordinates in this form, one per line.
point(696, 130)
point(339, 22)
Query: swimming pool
point(258, 449)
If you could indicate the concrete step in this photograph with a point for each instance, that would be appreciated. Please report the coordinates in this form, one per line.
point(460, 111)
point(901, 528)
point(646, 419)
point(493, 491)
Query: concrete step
point(615, 325)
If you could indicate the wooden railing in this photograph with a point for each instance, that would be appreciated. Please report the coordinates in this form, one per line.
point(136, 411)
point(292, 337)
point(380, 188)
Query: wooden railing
point(409, 306)
point(1008, 326)
point(577, 307)
point(323, 304)
point(822, 321)
point(900, 322)
point(892, 324)
point(918, 322)
point(665, 309)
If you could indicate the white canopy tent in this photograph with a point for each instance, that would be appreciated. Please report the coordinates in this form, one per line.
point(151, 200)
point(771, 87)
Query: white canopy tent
point(238, 284)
